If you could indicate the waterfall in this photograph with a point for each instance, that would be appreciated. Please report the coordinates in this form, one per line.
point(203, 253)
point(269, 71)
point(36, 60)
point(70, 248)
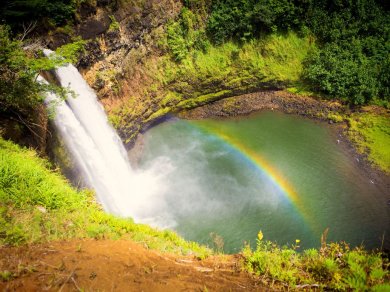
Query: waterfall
point(98, 153)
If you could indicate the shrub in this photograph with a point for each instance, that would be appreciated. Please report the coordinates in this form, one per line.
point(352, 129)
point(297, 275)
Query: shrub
point(245, 19)
point(342, 72)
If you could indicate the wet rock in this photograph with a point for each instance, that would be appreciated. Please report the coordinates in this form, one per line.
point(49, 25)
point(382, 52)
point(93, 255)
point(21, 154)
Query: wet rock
point(104, 3)
point(93, 53)
point(58, 39)
point(92, 28)
point(86, 10)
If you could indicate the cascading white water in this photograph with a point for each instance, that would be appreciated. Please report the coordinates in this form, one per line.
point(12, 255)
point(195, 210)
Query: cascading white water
point(215, 187)
point(99, 154)
point(82, 149)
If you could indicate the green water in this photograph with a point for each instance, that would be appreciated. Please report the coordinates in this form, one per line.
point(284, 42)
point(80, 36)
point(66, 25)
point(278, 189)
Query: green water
point(210, 186)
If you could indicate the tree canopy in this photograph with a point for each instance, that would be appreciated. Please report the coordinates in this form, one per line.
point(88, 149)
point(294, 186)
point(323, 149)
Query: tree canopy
point(353, 40)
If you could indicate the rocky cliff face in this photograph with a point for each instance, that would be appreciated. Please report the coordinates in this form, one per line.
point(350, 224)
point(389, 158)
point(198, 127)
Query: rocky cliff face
point(128, 62)
point(120, 36)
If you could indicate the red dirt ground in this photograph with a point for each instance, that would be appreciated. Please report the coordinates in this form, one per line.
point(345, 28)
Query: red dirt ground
point(106, 265)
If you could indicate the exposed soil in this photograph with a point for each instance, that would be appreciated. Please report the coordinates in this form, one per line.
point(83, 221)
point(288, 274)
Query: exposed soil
point(271, 99)
point(107, 265)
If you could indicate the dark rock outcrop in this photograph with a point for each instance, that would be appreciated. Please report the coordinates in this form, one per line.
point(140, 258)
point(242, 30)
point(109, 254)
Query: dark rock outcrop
point(59, 39)
point(92, 28)
point(86, 10)
point(92, 54)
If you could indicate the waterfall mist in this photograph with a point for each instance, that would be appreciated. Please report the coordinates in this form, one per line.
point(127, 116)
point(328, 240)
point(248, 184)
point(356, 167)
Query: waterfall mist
point(217, 187)
point(97, 152)
point(192, 181)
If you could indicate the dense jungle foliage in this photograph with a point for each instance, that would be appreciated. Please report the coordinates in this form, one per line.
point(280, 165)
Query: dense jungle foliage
point(339, 48)
point(351, 60)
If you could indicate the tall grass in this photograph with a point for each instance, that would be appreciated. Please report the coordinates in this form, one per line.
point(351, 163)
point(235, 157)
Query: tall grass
point(37, 204)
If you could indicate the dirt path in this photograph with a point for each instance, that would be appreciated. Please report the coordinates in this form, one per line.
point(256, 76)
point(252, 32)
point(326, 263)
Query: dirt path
point(106, 265)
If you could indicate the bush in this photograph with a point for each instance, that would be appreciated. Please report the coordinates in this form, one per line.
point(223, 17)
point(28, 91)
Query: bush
point(186, 34)
point(245, 19)
point(176, 41)
point(343, 72)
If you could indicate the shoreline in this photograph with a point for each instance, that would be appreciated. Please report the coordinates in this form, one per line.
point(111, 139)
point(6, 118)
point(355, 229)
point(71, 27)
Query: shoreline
point(242, 105)
point(322, 111)
point(290, 103)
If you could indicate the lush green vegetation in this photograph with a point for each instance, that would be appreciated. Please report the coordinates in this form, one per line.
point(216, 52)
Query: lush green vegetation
point(371, 134)
point(19, 69)
point(333, 267)
point(38, 205)
point(351, 59)
point(221, 71)
point(267, 62)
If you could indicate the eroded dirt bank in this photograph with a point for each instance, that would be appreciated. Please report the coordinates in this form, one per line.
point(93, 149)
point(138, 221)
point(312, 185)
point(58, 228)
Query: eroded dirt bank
point(107, 265)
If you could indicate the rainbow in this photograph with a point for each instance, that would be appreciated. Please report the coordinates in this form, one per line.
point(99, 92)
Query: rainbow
point(271, 172)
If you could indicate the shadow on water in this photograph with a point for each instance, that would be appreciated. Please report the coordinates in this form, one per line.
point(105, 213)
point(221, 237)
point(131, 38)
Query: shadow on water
point(158, 121)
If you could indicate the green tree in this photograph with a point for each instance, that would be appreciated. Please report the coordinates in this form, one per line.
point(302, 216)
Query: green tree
point(343, 73)
point(244, 19)
point(19, 69)
point(353, 61)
